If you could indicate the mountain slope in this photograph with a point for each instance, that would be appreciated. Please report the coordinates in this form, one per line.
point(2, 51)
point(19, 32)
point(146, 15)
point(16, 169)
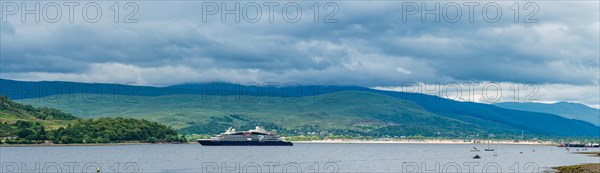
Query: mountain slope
point(351, 110)
point(324, 107)
point(531, 122)
point(10, 109)
point(34, 125)
point(27, 116)
point(565, 109)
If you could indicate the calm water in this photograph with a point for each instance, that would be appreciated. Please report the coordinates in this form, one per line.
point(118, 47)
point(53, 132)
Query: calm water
point(299, 158)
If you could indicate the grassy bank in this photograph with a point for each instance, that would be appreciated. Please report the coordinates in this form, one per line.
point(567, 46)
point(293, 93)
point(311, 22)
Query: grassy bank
point(593, 153)
point(583, 168)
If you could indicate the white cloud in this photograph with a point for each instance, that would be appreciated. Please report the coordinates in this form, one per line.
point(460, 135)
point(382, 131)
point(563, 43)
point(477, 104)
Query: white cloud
point(491, 92)
point(131, 74)
point(403, 71)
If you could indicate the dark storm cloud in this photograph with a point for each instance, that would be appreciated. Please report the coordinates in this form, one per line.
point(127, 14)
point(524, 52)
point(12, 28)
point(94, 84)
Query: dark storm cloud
point(371, 45)
point(7, 28)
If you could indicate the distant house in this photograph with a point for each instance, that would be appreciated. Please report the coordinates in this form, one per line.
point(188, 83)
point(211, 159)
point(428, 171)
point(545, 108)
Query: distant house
point(8, 138)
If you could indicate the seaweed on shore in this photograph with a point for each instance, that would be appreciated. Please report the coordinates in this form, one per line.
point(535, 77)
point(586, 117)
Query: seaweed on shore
point(583, 168)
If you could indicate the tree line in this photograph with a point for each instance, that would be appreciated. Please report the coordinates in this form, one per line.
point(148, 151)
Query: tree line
point(102, 130)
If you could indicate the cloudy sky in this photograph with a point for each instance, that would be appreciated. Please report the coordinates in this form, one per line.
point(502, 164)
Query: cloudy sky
point(382, 44)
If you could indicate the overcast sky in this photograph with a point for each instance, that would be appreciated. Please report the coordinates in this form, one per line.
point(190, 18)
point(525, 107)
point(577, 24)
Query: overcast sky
point(367, 44)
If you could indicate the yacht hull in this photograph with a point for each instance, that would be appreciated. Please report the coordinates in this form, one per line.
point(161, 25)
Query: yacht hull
point(244, 143)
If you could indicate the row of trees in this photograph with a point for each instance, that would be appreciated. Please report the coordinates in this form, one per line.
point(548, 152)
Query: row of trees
point(27, 132)
point(103, 130)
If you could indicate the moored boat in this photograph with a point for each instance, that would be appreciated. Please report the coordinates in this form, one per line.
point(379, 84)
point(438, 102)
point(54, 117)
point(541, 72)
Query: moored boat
point(488, 144)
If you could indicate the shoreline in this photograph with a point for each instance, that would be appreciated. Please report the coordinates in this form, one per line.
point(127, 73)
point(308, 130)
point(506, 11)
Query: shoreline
point(414, 141)
point(578, 168)
point(75, 145)
point(336, 141)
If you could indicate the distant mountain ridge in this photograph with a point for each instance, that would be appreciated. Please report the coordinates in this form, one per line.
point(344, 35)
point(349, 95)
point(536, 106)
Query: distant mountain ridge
point(392, 115)
point(565, 109)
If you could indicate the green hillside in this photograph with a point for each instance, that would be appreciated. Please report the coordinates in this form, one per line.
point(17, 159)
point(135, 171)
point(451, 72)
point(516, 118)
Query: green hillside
point(349, 112)
point(25, 124)
point(11, 112)
point(24, 120)
point(212, 107)
point(107, 130)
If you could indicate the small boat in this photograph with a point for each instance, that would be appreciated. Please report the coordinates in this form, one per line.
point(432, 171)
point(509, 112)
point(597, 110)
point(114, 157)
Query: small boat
point(475, 149)
point(488, 145)
point(476, 157)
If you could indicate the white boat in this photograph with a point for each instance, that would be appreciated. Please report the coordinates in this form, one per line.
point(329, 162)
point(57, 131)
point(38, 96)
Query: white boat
point(488, 145)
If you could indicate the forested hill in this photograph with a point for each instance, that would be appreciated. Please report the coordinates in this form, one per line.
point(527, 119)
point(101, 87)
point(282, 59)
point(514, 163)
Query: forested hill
point(105, 130)
point(24, 124)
